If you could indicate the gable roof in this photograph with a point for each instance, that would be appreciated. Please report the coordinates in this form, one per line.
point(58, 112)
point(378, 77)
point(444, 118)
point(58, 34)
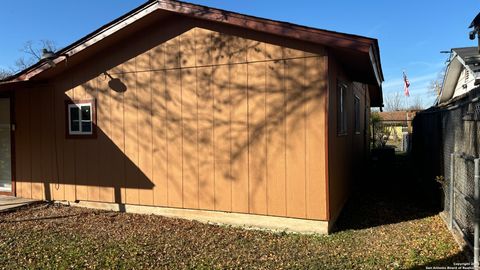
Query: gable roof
point(461, 59)
point(367, 69)
point(399, 116)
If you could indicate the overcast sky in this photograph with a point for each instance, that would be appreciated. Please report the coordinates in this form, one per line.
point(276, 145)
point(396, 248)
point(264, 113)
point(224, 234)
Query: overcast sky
point(411, 33)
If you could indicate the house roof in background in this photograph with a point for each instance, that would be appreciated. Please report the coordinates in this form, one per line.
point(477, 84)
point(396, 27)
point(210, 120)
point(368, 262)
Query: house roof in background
point(398, 115)
point(466, 52)
point(345, 46)
point(460, 59)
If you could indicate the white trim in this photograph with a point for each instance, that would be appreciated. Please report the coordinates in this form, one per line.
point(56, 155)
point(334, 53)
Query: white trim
point(7, 187)
point(80, 120)
point(373, 61)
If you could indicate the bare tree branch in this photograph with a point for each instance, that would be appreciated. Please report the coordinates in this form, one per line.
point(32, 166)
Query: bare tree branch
point(32, 52)
point(436, 85)
point(4, 73)
point(394, 102)
point(417, 104)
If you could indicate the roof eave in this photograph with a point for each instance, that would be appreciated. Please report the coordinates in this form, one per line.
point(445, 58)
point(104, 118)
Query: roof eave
point(361, 44)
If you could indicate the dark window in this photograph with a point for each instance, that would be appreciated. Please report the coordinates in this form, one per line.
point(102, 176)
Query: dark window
point(341, 109)
point(356, 105)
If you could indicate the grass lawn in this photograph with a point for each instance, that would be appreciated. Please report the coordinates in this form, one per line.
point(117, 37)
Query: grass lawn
point(382, 234)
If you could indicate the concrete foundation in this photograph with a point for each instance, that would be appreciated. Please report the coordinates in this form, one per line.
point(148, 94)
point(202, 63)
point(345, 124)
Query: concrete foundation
point(248, 221)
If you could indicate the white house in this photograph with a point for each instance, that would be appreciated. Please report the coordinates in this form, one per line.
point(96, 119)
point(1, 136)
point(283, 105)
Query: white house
point(462, 75)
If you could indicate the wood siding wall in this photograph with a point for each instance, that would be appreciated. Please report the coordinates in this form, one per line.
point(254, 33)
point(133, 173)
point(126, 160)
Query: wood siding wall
point(347, 152)
point(202, 121)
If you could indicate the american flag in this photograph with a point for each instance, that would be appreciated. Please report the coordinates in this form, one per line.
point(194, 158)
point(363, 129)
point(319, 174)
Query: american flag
point(406, 84)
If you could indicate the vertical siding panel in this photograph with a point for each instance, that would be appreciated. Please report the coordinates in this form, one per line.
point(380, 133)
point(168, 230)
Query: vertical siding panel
point(145, 136)
point(19, 141)
point(117, 158)
point(239, 129)
point(221, 113)
point(58, 141)
point(47, 130)
point(237, 50)
point(295, 142)
point(105, 145)
point(145, 139)
point(172, 53)
point(159, 139)
point(218, 48)
point(92, 158)
point(275, 95)
point(157, 57)
point(256, 51)
point(203, 52)
point(187, 49)
point(131, 139)
point(68, 149)
point(36, 145)
point(206, 165)
point(81, 156)
point(190, 137)
point(316, 98)
point(257, 138)
point(19, 147)
point(22, 144)
point(174, 137)
point(206, 168)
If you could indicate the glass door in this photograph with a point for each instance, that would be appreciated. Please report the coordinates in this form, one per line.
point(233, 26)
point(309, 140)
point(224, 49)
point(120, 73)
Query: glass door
point(5, 147)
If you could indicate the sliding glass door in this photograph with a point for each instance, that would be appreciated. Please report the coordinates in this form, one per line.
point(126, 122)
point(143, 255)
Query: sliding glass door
point(5, 147)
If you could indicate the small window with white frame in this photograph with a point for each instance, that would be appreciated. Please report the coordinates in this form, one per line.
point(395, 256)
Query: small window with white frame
point(80, 116)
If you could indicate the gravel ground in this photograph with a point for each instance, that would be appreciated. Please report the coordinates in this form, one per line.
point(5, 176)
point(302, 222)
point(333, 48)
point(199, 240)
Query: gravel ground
point(47, 236)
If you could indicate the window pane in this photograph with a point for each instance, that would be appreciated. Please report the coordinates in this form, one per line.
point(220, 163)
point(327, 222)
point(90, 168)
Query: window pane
point(86, 113)
point(341, 112)
point(86, 126)
point(357, 114)
point(75, 125)
point(74, 113)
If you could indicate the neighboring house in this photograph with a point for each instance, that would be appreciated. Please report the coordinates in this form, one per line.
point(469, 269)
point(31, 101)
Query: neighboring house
point(399, 119)
point(394, 125)
point(462, 74)
point(180, 106)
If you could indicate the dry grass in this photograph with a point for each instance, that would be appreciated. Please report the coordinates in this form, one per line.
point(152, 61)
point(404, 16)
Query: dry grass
point(50, 236)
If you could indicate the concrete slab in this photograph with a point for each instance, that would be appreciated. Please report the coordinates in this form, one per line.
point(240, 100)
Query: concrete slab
point(8, 203)
point(248, 221)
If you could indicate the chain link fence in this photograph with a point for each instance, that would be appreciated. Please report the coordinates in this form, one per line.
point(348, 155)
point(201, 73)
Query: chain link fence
point(445, 145)
point(461, 196)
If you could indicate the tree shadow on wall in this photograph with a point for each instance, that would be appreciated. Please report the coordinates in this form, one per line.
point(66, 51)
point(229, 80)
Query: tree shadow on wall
point(187, 101)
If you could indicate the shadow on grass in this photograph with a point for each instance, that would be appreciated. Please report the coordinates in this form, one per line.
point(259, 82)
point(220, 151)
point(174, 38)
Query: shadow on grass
point(389, 193)
point(38, 219)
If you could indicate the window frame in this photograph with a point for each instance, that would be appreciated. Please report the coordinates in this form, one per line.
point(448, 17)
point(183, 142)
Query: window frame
point(356, 109)
point(342, 117)
point(69, 133)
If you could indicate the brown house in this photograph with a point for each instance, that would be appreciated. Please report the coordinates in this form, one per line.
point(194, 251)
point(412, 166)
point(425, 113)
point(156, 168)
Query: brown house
point(195, 112)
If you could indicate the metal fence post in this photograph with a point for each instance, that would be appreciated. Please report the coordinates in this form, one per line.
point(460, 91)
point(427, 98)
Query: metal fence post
point(476, 231)
point(450, 190)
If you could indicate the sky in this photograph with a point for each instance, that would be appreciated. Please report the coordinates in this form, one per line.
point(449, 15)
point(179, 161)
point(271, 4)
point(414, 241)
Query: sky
point(411, 34)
